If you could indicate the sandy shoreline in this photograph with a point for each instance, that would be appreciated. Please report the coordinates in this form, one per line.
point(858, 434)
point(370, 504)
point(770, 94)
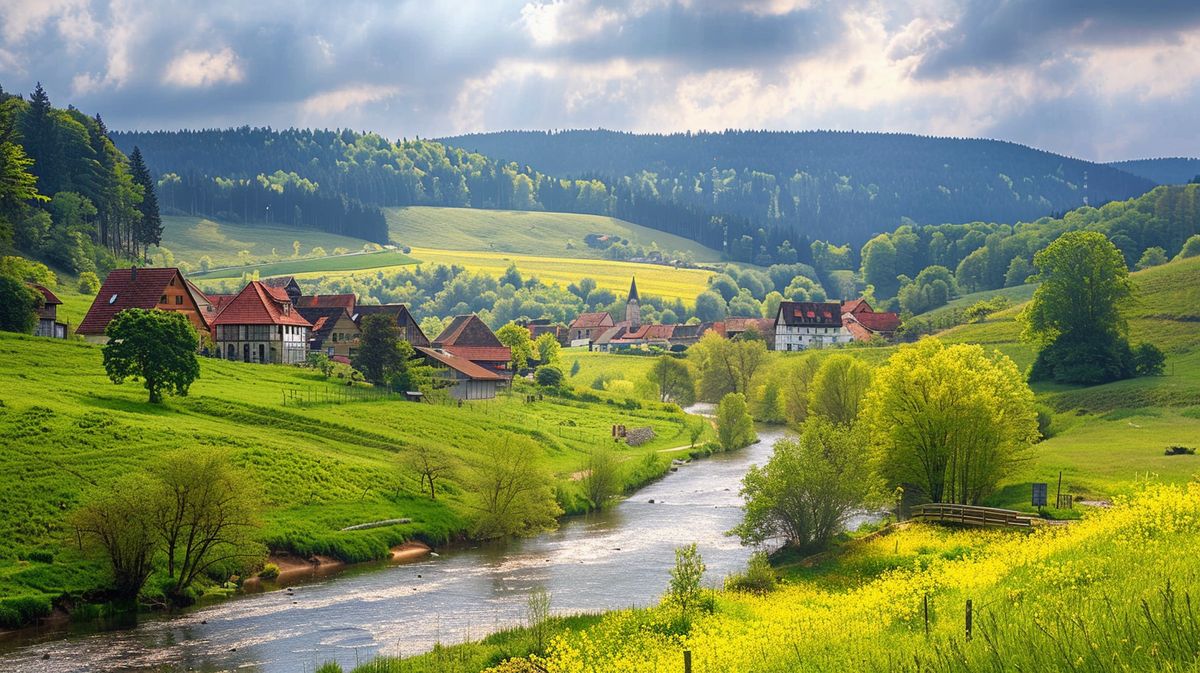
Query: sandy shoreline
point(292, 567)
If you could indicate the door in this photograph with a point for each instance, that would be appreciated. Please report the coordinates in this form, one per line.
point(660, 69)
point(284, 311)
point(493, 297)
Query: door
point(262, 353)
point(245, 352)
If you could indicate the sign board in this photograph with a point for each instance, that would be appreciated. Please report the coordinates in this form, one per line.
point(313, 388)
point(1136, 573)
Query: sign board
point(1039, 495)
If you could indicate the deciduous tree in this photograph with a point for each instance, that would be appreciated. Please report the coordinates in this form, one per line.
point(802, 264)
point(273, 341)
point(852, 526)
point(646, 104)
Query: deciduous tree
point(809, 486)
point(18, 305)
point(951, 421)
point(735, 427)
point(838, 388)
point(673, 380)
point(117, 522)
point(517, 339)
point(509, 490)
point(158, 347)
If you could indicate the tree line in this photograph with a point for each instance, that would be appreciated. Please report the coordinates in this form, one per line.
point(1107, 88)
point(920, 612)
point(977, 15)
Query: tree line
point(67, 194)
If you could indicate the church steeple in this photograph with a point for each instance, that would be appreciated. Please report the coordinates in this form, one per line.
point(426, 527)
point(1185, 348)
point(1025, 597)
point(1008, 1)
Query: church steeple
point(633, 309)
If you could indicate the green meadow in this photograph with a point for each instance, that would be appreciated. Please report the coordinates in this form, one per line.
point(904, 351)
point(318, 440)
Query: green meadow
point(359, 261)
point(324, 466)
point(189, 238)
point(525, 232)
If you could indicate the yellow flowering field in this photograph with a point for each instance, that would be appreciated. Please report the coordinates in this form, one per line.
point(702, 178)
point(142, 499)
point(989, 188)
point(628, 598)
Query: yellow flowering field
point(1112, 592)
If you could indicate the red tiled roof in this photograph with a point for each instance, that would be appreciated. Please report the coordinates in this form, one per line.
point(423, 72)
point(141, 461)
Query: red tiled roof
point(481, 353)
point(219, 301)
point(820, 314)
point(857, 305)
point(121, 291)
point(590, 320)
point(467, 330)
point(858, 332)
point(346, 301)
point(48, 297)
point(460, 364)
point(259, 304)
point(878, 322)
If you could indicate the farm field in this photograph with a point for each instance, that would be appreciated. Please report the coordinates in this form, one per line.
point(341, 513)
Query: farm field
point(66, 429)
point(662, 281)
point(190, 238)
point(525, 232)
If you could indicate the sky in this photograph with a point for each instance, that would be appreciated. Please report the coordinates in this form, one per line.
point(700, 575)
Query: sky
point(1095, 79)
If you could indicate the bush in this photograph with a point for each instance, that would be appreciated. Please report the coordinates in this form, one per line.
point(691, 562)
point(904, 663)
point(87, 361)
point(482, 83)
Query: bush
point(89, 282)
point(23, 610)
point(1045, 421)
point(40, 556)
point(270, 571)
point(548, 376)
point(759, 577)
point(1148, 360)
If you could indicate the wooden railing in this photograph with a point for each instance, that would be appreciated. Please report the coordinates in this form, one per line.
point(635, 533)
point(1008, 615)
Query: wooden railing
point(970, 515)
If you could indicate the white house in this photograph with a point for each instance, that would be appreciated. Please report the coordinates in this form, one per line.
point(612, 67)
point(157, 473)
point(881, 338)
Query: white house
point(809, 324)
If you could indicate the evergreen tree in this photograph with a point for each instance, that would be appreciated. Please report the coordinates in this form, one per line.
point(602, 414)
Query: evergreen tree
point(150, 228)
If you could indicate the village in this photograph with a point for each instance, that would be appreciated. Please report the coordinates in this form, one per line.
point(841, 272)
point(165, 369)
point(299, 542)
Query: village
point(272, 321)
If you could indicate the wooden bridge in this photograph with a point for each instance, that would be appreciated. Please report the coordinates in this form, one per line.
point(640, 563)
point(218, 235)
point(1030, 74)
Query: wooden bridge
point(970, 515)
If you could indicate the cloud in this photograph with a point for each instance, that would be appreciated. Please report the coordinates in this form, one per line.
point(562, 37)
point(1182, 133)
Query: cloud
point(1098, 79)
point(330, 103)
point(204, 69)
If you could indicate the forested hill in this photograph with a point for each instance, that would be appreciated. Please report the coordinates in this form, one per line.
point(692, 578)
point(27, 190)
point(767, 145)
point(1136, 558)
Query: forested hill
point(840, 186)
point(1165, 171)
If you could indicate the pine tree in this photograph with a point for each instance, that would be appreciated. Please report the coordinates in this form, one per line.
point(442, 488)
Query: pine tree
point(150, 228)
point(39, 138)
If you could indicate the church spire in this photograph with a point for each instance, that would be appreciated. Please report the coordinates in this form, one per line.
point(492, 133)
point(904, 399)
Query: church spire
point(633, 293)
point(633, 309)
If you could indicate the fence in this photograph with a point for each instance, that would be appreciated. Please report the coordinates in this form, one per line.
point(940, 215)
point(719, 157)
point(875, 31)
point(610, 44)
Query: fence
point(297, 396)
point(970, 515)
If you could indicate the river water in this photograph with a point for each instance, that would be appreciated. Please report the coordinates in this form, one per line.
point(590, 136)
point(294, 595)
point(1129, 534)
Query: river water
point(615, 559)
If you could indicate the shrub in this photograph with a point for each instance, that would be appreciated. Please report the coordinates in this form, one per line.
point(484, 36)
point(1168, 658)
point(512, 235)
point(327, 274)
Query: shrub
point(23, 610)
point(270, 571)
point(1045, 421)
point(40, 556)
point(89, 282)
point(548, 376)
point(1148, 360)
point(759, 577)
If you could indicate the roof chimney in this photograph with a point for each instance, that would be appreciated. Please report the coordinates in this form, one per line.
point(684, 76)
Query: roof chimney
point(133, 273)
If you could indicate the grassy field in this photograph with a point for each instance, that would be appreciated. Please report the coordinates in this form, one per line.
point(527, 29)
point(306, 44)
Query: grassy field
point(190, 238)
point(315, 266)
point(525, 232)
point(1111, 593)
point(65, 428)
point(662, 281)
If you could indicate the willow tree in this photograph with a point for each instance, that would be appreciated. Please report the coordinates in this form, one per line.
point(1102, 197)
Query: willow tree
point(950, 420)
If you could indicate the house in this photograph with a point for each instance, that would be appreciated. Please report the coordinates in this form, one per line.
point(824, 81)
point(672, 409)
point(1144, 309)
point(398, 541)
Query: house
point(469, 338)
point(683, 336)
point(736, 328)
point(289, 285)
point(286, 283)
point(543, 326)
point(587, 326)
point(462, 378)
point(333, 332)
point(865, 323)
point(148, 288)
point(809, 324)
point(260, 324)
point(48, 324)
point(410, 331)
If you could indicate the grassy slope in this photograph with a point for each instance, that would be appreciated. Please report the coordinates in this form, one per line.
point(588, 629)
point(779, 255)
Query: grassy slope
point(525, 232)
point(64, 428)
point(317, 266)
point(190, 238)
point(1107, 438)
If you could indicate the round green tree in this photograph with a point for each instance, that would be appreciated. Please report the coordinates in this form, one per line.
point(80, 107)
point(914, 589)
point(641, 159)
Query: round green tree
point(18, 305)
point(158, 347)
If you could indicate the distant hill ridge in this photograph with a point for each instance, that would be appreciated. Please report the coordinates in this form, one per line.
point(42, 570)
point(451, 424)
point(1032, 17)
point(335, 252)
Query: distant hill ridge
point(835, 185)
point(1163, 170)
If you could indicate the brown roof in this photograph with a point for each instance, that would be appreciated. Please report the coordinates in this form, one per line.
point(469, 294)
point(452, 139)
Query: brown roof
point(811, 313)
point(404, 319)
point(219, 301)
point(738, 325)
point(48, 297)
point(856, 305)
point(460, 364)
point(121, 290)
point(260, 304)
point(467, 330)
point(323, 319)
point(482, 353)
point(346, 301)
point(280, 282)
point(590, 320)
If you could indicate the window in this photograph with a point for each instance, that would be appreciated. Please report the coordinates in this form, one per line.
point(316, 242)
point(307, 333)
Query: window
point(178, 300)
point(162, 299)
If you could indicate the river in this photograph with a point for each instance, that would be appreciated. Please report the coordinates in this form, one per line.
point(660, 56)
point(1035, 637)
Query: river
point(615, 559)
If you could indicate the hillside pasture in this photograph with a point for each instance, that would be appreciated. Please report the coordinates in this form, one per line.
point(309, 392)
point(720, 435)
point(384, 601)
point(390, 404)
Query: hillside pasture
point(526, 232)
point(359, 261)
point(189, 238)
point(66, 429)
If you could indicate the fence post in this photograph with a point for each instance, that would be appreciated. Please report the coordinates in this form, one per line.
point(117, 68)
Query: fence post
point(687, 661)
point(968, 619)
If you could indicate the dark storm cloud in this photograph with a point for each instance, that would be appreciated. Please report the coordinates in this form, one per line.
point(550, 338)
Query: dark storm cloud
point(989, 34)
point(705, 37)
